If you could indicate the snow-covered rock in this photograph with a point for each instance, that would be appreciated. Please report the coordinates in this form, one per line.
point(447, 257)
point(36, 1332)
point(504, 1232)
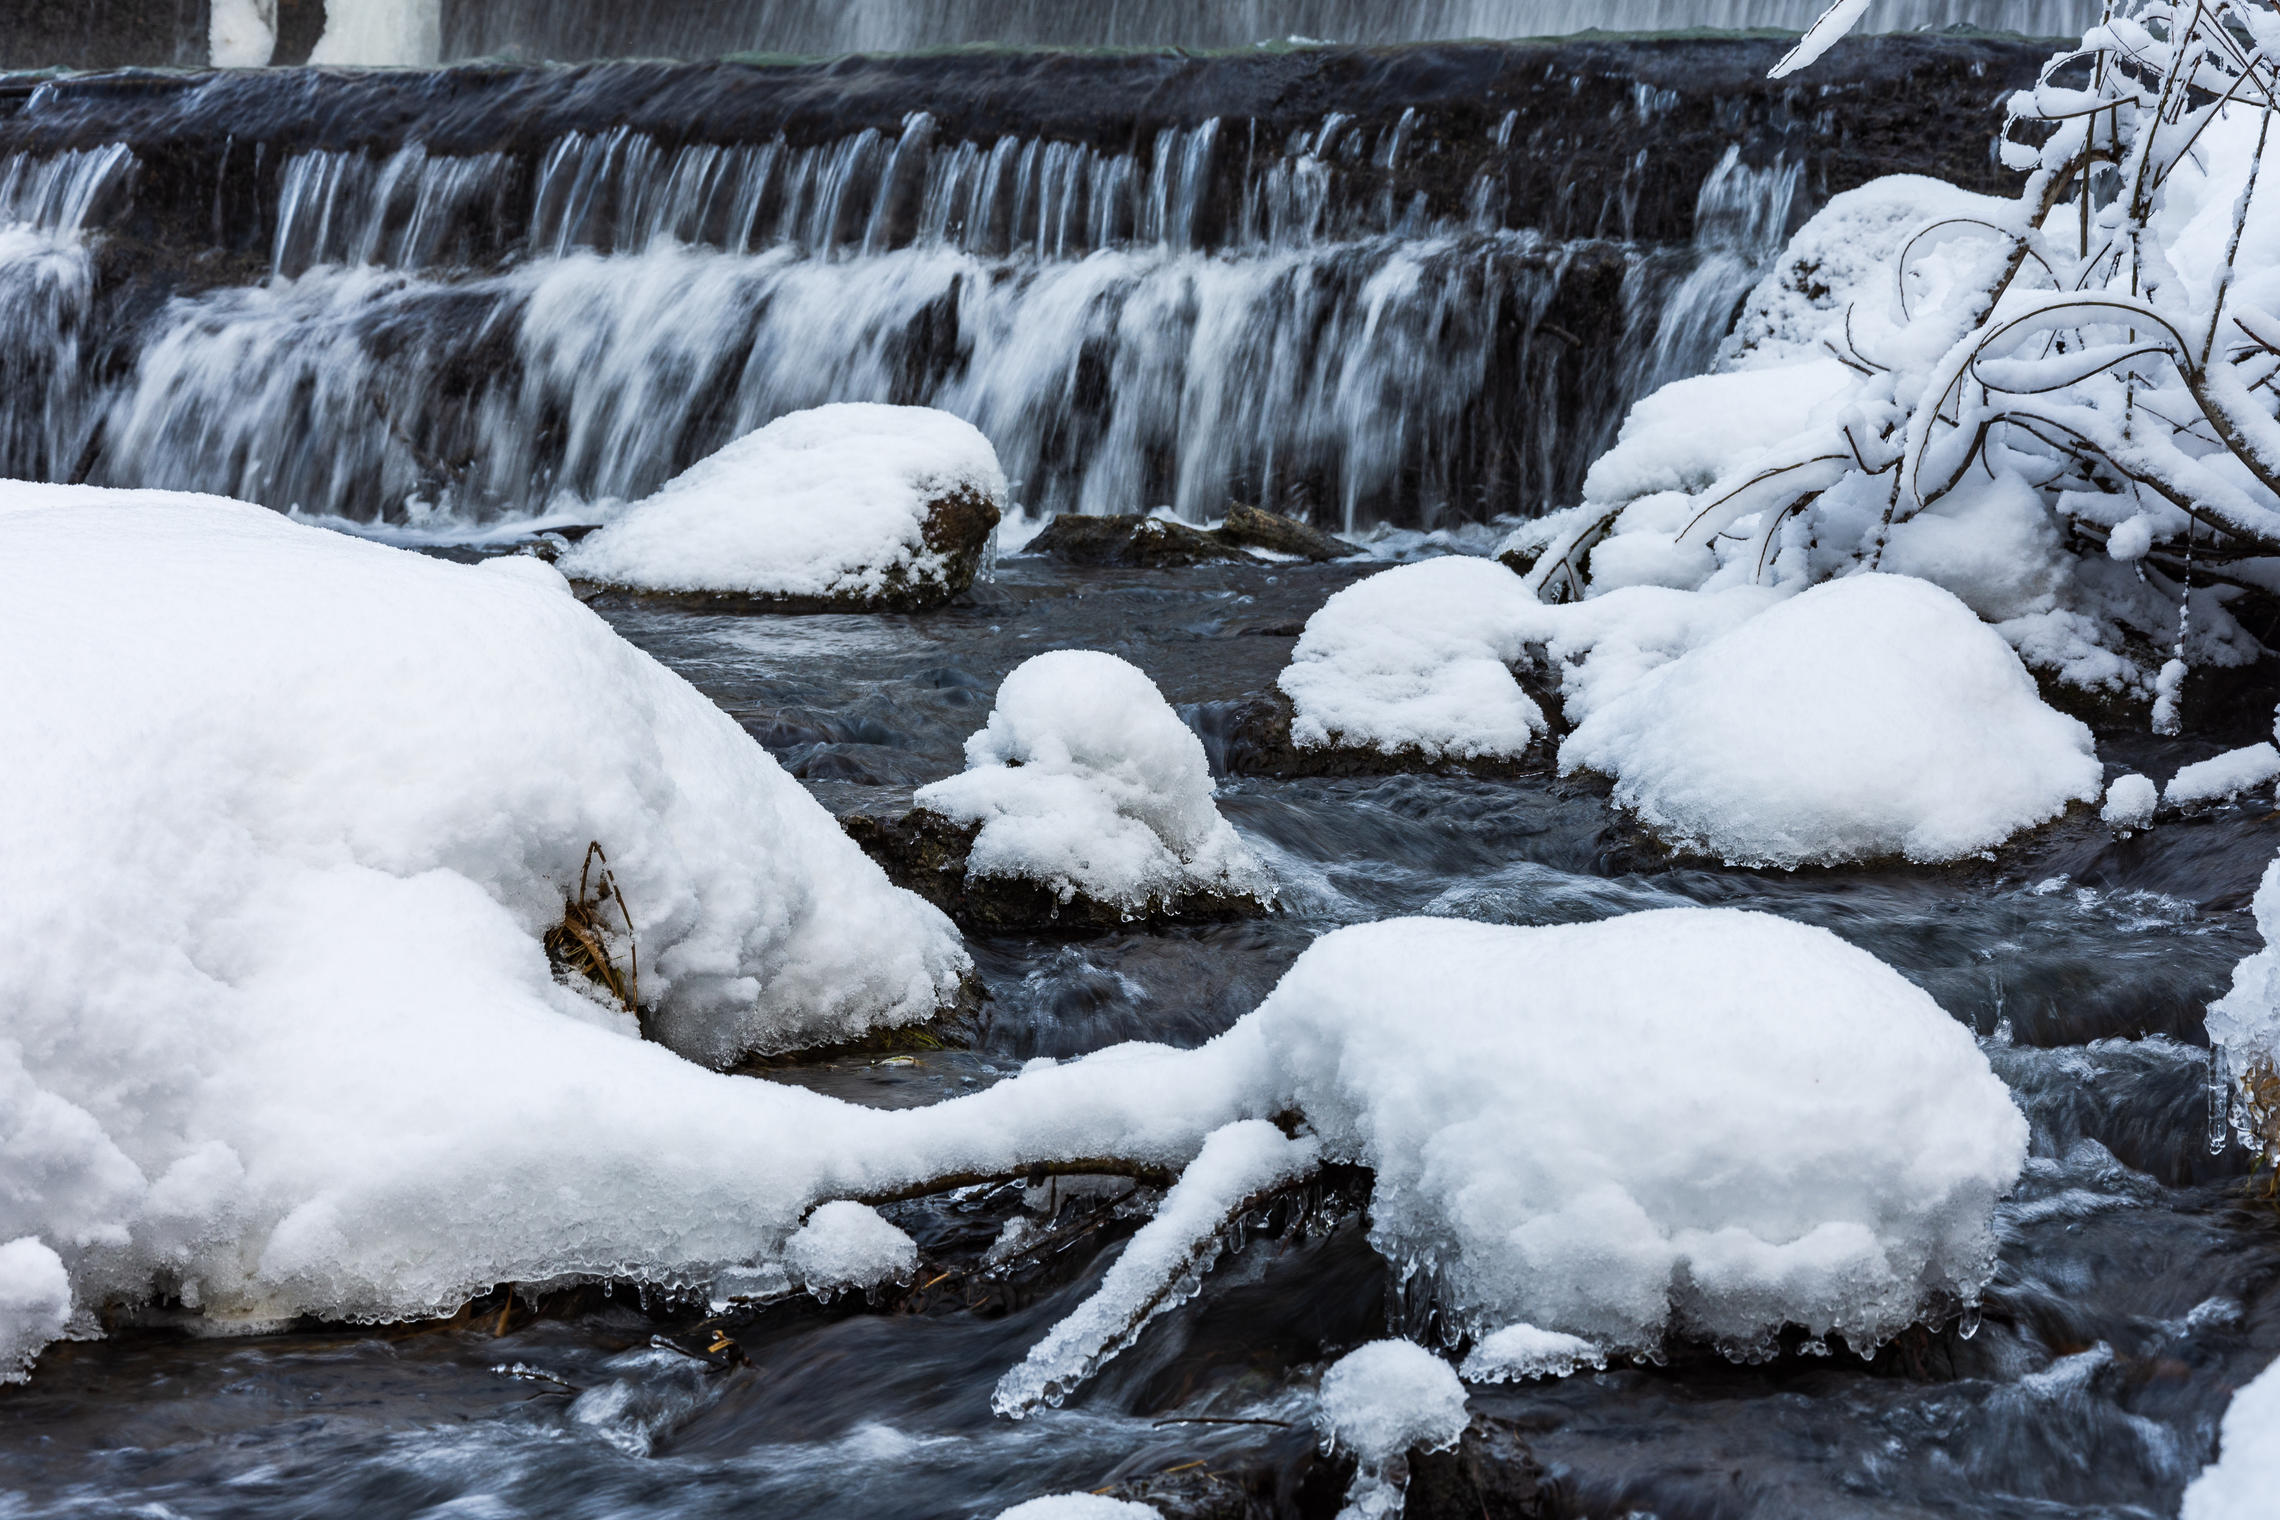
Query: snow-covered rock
point(381, 33)
point(1080, 1507)
point(2223, 777)
point(1381, 1402)
point(849, 506)
point(241, 34)
point(1523, 1351)
point(1085, 782)
point(2244, 1024)
point(1696, 1120)
point(291, 813)
point(2242, 1484)
point(35, 1302)
point(1870, 716)
point(1707, 427)
point(848, 1245)
point(2131, 802)
point(1417, 660)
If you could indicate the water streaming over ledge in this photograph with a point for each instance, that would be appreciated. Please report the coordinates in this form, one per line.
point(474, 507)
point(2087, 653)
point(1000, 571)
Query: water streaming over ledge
point(1209, 313)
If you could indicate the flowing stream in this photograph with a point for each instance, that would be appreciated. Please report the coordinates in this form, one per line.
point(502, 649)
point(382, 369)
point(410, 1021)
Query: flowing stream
point(1398, 292)
point(2139, 1281)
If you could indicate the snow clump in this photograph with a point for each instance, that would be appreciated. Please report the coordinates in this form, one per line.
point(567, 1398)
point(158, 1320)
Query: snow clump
point(848, 1245)
point(2130, 802)
point(1870, 716)
point(1774, 1168)
point(2223, 777)
point(2244, 1024)
point(828, 506)
point(1381, 1402)
point(1523, 1351)
point(1085, 780)
point(35, 1303)
point(2241, 1483)
point(1080, 1507)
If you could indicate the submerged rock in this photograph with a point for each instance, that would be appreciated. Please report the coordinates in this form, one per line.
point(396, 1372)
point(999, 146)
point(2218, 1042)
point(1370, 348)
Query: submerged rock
point(1129, 542)
point(1256, 528)
point(1252, 737)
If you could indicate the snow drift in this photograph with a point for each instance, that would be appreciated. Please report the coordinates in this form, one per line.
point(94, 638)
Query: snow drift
point(1085, 780)
point(2241, 1483)
point(851, 505)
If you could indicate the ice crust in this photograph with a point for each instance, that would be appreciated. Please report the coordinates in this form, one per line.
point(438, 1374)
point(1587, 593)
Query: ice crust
point(848, 1245)
point(2244, 1480)
point(1523, 1351)
point(2222, 777)
point(1869, 716)
point(1085, 780)
point(2245, 1023)
point(825, 503)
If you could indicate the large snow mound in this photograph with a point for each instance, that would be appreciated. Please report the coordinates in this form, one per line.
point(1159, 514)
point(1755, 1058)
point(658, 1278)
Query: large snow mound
point(826, 504)
point(1869, 716)
point(1702, 1119)
point(2242, 1482)
point(1084, 779)
point(291, 814)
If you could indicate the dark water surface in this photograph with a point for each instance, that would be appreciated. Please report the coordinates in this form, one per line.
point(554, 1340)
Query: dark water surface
point(2139, 1283)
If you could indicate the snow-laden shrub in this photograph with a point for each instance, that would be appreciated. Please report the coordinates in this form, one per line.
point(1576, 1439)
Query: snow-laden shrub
point(2059, 405)
point(1083, 779)
point(828, 507)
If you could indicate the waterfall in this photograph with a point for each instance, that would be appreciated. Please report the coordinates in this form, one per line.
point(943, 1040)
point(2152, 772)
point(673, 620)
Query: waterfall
point(46, 303)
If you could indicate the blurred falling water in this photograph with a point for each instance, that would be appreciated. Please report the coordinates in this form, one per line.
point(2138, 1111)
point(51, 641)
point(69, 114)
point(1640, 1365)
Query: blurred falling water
point(46, 295)
point(1127, 329)
point(604, 28)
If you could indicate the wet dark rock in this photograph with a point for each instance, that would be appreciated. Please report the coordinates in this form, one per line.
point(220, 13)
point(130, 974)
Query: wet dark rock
point(926, 853)
point(1129, 542)
point(958, 527)
point(1490, 1475)
point(1251, 737)
point(1251, 527)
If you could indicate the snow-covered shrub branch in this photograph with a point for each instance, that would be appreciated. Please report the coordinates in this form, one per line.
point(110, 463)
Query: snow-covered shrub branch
point(2059, 404)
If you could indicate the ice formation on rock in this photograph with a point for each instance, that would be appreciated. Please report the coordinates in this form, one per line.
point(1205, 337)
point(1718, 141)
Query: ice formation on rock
point(846, 1245)
point(1523, 1351)
point(1084, 780)
point(1080, 1507)
point(1381, 1402)
point(2244, 1480)
point(1867, 717)
point(850, 505)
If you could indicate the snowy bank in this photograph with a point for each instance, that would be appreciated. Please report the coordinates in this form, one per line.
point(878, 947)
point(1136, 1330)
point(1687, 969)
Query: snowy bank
point(852, 506)
point(1086, 801)
point(1870, 716)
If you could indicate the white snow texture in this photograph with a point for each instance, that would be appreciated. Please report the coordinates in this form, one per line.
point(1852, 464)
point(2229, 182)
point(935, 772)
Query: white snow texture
point(1085, 780)
point(848, 1245)
point(2131, 802)
point(1523, 1351)
point(1080, 1507)
point(381, 33)
point(829, 502)
point(35, 1303)
point(2244, 1480)
point(1716, 1120)
point(1869, 716)
point(1380, 1402)
point(2223, 777)
point(241, 34)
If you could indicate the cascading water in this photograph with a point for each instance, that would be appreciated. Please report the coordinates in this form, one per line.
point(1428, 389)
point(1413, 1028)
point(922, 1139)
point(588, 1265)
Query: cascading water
point(1199, 317)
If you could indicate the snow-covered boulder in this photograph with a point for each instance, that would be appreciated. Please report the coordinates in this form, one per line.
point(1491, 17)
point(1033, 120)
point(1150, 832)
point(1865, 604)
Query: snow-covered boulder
point(1693, 1120)
point(292, 812)
point(2220, 778)
point(1417, 662)
point(849, 507)
point(2242, 1484)
point(1870, 716)
point(1086, 802)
